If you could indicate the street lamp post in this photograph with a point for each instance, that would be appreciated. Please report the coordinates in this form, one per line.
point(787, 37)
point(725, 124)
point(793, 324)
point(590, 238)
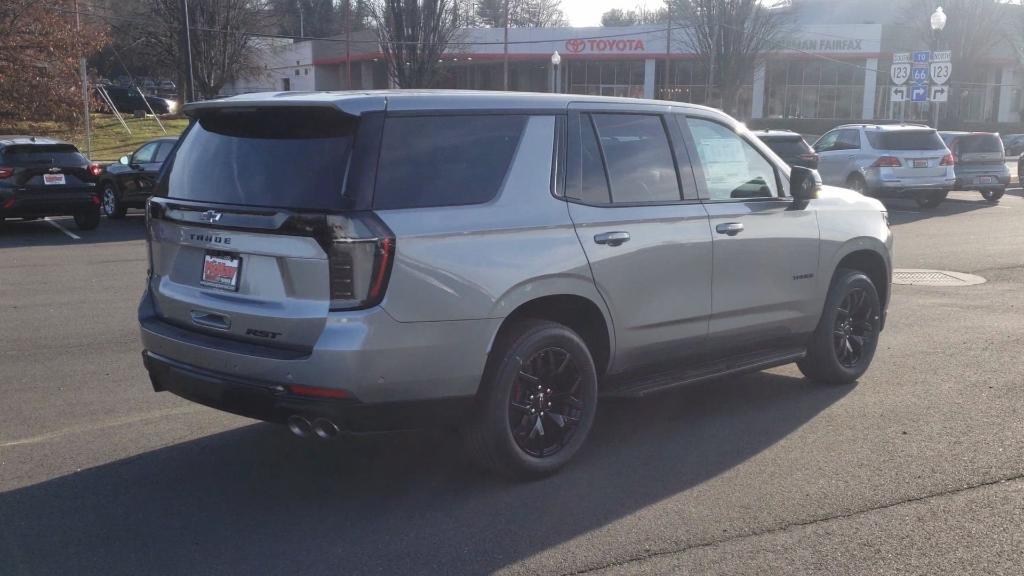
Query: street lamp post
point(938, 22)
point(556, 59)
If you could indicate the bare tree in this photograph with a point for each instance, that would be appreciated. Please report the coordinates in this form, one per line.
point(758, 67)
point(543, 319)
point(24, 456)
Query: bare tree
point(639, 15)
point(40, 47)
point(521, 13)
point(730, 37)
point(223, 34)
point(413, 36)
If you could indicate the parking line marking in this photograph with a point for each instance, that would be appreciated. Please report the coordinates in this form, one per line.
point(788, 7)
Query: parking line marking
point(100, 425)
point(63, 229)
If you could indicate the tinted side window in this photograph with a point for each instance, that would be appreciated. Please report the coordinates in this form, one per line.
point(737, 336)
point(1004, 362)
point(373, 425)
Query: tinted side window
point(145, 154)
point(827, 142)
point(733, 169)
point(639, 158)
point(445, 160)
point(163, 151)
point(848, 140)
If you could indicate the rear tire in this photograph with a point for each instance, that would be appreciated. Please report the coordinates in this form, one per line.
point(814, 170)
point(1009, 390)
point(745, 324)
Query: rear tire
point(857, 183)
point(111, 204)
point(929, 199)
point(88, 219)
point(993, 195)
point(844, 343)
point(536, 402)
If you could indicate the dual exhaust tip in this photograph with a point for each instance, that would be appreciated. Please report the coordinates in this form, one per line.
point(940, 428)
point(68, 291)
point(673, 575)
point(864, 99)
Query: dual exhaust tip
point(319, 427)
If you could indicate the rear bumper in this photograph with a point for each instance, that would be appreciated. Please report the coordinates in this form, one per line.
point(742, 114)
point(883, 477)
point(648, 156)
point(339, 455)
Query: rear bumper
point(377, 360)
point(998, 177)
point(274, 403)
point(47, 203)
point(887, 184)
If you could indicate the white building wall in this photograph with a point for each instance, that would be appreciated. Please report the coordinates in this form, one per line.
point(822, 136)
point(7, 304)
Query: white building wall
point(280, 60)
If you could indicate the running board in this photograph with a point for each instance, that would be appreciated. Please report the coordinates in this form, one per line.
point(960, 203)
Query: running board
point(654, 383)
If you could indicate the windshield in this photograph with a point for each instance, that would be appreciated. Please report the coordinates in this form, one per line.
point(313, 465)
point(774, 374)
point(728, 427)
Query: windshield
point(285, 158)
point(906, 140)
point(788, 147)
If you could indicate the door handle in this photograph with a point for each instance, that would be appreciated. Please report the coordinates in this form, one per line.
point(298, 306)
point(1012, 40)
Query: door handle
point(729, 228)
point(612, 238)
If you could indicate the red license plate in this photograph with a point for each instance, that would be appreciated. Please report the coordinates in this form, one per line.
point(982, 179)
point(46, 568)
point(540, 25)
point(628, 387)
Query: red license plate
point(221, 271)
point(54, 179)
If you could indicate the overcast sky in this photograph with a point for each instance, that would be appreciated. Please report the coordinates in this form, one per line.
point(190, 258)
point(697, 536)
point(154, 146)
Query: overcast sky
point(588, 12)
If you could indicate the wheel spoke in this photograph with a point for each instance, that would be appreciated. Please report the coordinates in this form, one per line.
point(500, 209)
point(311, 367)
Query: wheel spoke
point(529, 377)
point(520, 408)
point(558, 419)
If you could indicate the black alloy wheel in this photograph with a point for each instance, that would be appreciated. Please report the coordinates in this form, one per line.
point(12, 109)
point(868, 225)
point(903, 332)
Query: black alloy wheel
point(544, 404)
point(854, 330)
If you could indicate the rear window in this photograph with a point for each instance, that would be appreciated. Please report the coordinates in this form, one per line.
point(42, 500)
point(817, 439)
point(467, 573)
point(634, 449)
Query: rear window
point(978, 144)
point(788, 147)
point(286, 158)
point(52, 154)
point(906, 140)
point(444, 160)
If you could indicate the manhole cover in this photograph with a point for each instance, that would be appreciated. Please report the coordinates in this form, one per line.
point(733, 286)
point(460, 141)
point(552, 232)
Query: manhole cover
point(934, 278)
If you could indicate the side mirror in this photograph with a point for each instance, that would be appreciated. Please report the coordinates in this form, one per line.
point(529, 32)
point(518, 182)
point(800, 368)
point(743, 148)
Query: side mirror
point(804, 183)
point(124, 160)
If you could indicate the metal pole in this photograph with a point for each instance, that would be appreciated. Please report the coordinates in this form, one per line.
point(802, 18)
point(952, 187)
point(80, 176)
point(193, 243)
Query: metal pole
point(302, 22)
point(505, 67)
point(82, 70)
point(190, 88)
point(348, 43)
point(668, 52)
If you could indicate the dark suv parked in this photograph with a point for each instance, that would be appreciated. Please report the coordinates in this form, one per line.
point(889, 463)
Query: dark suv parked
point(495, 261)
point(979, 162)
point(129, 182)
point(789, 146)
point(44, 177)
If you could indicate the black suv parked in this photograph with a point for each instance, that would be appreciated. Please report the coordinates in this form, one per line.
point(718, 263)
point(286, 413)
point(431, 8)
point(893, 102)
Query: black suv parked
point(129, 100)
point(43, 177)
point(789, 146)
point(129, 182)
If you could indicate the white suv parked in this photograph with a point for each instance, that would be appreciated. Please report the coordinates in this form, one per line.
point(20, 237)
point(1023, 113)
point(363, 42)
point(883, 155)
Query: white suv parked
point(903, 160)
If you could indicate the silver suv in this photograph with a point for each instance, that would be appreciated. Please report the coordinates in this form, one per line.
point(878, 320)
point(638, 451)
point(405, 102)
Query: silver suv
point(353, 262)
point(888, 160)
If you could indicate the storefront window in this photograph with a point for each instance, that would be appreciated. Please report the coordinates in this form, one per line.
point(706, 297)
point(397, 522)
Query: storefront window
point(688, 83)
point(814, 89)
point(606, 78)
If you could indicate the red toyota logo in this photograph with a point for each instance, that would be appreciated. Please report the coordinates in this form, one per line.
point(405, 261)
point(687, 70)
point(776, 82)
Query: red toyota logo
point(575, 45)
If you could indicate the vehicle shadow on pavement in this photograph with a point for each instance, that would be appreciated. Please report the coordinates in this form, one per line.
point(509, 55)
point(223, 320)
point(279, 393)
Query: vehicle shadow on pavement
point(903, 211)
point(256, 501)
point(18, 233)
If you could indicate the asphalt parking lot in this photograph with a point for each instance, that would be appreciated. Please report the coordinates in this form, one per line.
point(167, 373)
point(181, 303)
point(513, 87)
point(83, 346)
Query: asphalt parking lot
point(917, 469)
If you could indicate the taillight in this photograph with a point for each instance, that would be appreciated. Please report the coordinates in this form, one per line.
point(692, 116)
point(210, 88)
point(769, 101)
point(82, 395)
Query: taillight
point(360, 254)
point(948, 160)
point(95, 169)
point(6, 172)
point(887, 162)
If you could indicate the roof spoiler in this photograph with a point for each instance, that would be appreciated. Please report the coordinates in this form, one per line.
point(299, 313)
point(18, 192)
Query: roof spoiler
point(351, 105)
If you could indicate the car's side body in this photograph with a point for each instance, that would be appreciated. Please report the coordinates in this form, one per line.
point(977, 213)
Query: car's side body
point(134, 177)
point(680, 289)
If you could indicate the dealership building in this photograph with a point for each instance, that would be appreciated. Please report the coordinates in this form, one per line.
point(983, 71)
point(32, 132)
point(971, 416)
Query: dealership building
point(832, 66)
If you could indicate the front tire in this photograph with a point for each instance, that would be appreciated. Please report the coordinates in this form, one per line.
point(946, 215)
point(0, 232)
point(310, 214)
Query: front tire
point(993, 195)
point(844, 343)
point(88, 219)
point(929, 199)
point(536, 403)
point(110, 203)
